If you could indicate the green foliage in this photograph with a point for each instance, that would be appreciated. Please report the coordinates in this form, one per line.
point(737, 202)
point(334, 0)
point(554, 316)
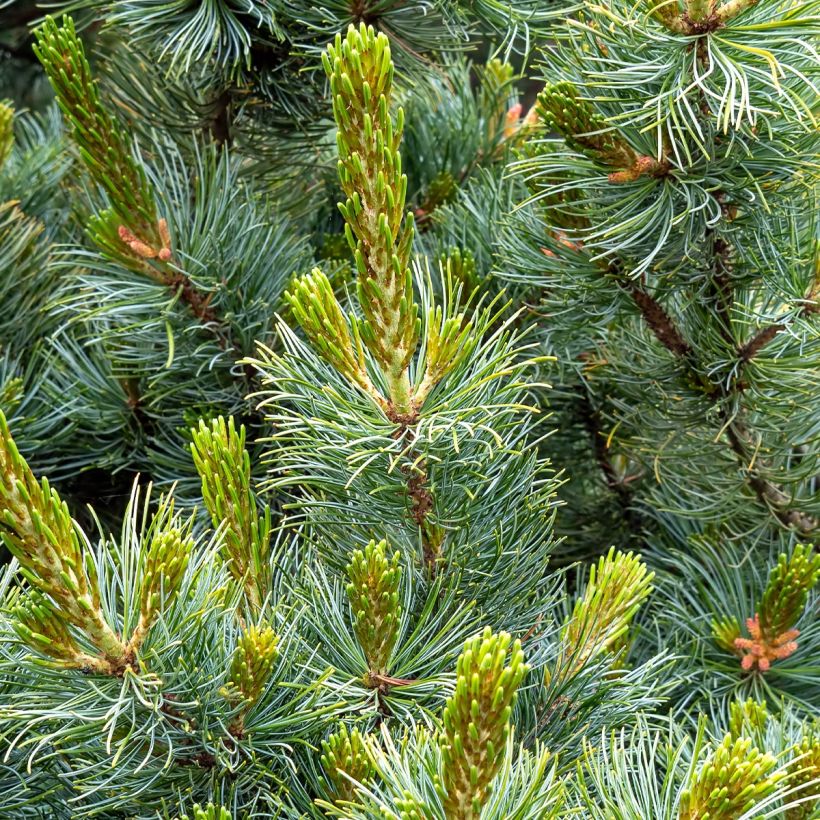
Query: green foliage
point(209, 812)
point(734, 779)
point(346, 762)
point(477, 722)
point(360, 70)
point(548, 395)
point(224, 465)
point(617, 587)
point(373, 593)
point(790, 582)
point(102, 146)
point(6, 132)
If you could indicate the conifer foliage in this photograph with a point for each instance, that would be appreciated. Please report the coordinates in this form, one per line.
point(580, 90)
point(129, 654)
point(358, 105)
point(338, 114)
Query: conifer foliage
point(443, 379)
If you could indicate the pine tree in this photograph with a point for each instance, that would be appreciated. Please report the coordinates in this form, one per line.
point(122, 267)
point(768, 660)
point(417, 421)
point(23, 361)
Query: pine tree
point(450, 446)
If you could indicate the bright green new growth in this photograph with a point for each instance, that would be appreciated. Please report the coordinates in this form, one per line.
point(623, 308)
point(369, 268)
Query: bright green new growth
point(6, 132)
point(165, 564)
point(617, 587)
point(373, 593)
point(747, 717)
point(786, 593)
point(360, 70)
point(461, 265)
point(251, 667)
point(804, 774)
point(584, 130)
point(132, 222)
point(224, 466)
point(38, 530)
point(726, 631)
point(477, 721)
point(735, 778)
point(345, 758)
point(320, 315)
point(209, 812)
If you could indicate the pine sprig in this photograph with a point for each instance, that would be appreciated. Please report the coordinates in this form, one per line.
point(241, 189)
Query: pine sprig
point(360, 70)
point(772, 629)
point(250, 670)
point(318, 312)
point(617, 587)
point(735, 778)
point(166, 560)
point(562, 110)
point(132, 225)
point(373, 593)
point(346, 761)
point(477, 721)
point(224, 466)
point(39, 531)
point(790, 582)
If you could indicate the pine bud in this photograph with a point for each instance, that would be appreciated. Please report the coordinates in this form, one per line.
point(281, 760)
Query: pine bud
point(38, 530)
point(345, 753)
point(209, 812)
point(165, 563)
point(224, 465)
point(461, 266)
point(318, 312)
point(132, 223)
point(748, 718)
point(786, 593)
point(252, 665)
point(771, 630)
point(6, 132)
point(584, 130)
point(804, 776)
point(617, 587)
point(360, 70)
point(725, 632)
point(477, 722)
point(373, 593)
point(730, 783)
point(38, 625)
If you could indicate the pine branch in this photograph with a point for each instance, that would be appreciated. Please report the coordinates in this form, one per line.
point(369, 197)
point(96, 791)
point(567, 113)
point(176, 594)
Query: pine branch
point(131, 231)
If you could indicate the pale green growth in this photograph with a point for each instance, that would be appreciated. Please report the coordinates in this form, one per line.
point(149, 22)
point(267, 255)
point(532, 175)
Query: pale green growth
point(224, 465)
point(735, 778)
point(360, 70)
point(165, 563)
point(209, 812)
point(41, 627)
point(39, 532)
point(461, 266)
point(785, 596)
point(318, 312)
point(450, 336)
point(6, 132)
point(131, 230)
point(373, 593)
point(804, 777)
point(617, 587)
point(726, 631)
point(747, 718)
point(344, 758)
point(251, 668)
point(477, 722)
point(584, 130)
